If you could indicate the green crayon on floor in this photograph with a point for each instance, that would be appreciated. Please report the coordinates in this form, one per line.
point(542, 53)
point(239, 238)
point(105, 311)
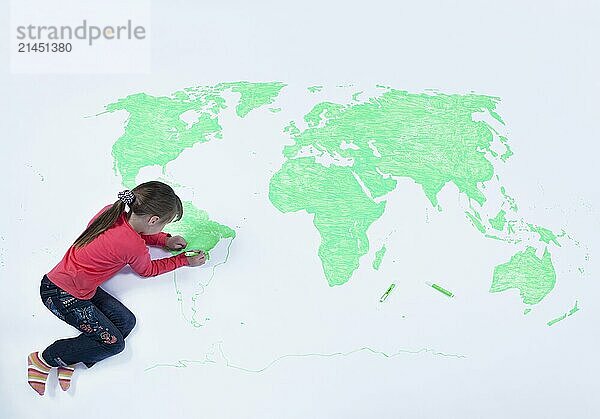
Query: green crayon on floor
point(385, 294)
point(440, 289)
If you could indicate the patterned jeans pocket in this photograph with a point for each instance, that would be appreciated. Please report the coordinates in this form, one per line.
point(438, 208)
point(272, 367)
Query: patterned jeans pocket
point(66, 300)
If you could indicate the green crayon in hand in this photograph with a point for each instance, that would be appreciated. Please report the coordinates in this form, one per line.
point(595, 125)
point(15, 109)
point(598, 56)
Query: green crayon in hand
point(191, 253)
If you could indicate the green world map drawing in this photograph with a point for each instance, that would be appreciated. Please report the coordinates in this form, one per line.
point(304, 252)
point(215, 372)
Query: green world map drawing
point(345, 160)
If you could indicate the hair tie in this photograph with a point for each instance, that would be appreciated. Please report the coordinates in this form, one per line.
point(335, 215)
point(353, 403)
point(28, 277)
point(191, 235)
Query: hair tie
point(126, 196)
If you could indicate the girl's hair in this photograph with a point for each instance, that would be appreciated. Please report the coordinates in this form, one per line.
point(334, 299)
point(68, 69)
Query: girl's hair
point(151, 198)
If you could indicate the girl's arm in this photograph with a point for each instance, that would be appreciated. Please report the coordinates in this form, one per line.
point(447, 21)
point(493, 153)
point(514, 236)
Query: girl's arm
point(158, 239)
point(140, 261)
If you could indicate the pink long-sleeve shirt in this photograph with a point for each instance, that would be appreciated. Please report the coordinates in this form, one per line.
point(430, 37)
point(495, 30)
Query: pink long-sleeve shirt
point(83, 269)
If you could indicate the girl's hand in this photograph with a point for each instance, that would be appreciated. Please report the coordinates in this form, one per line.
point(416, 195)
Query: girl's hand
point(197, 260)
point(176, 243)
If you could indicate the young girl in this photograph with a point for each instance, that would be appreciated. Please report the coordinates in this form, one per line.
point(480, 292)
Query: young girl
point(113, 238)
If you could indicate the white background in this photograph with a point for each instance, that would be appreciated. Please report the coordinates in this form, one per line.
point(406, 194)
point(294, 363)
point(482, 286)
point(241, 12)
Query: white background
point(541, 58)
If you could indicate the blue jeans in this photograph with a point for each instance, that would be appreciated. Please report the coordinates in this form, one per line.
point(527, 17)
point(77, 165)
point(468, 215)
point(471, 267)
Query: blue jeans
point(103, 320)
